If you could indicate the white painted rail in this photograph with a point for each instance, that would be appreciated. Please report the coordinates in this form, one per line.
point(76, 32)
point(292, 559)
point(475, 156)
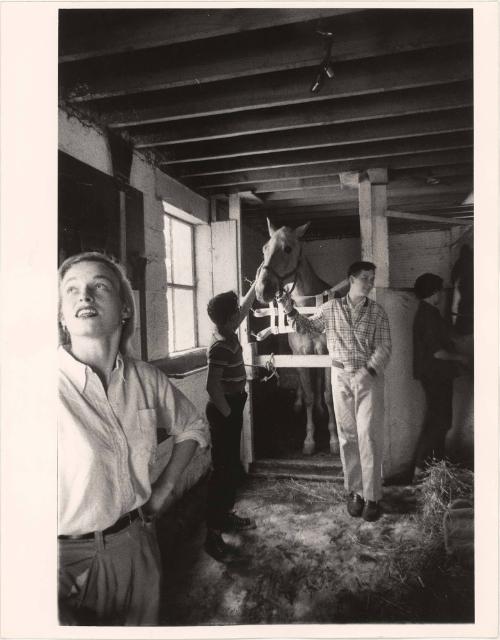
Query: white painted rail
point(279, 362)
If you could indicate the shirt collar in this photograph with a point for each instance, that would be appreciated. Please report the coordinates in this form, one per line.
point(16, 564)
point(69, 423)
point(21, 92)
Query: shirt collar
point(77, 371)
point(348, 302)
point(219, 336)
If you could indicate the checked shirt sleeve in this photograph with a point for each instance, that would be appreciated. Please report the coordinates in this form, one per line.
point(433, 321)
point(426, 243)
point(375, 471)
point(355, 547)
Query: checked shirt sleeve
point(309, 325)
point(382, 343)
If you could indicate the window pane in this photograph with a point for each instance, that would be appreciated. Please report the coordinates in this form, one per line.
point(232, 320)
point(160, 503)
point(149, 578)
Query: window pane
point(167, 233)
point(184, 314)
point(170, 320)
point(182, 252)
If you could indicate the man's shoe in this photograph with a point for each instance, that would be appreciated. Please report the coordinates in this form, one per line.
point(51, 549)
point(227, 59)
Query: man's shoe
point(232, 522)
point(355, 504)
point(217, 548)
point(371, 512)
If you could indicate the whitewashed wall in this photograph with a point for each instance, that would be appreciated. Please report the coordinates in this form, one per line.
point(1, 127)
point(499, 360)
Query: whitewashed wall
point(410, 255)
point(89, 145)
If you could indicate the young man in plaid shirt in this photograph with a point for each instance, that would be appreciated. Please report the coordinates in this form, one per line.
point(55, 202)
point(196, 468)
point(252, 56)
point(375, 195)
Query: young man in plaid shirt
point(359, 342)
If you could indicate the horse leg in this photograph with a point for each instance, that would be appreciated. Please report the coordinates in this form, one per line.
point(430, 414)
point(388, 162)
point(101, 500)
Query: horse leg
point(299, 397)
point(332, 425)
point(308, 395)
point(318, 390)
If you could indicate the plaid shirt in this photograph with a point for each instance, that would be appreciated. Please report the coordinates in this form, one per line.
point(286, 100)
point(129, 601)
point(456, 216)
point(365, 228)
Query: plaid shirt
point(362, 341)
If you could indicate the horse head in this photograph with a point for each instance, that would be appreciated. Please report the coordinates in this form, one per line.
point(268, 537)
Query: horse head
point(282, 254)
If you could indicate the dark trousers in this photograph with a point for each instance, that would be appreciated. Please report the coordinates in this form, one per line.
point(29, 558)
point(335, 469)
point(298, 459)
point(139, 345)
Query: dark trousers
point(438, 420)
point(226, 435)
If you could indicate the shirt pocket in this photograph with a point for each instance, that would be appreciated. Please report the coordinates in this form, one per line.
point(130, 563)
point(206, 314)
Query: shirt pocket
point(147, 422)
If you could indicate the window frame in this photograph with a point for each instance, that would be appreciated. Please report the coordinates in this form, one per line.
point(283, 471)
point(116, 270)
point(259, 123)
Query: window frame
point(172, 286)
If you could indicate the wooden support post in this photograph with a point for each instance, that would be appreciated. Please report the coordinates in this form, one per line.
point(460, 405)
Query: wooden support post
point(123, 228)
point(247, 433)
point(373, 222)
point(213, 209)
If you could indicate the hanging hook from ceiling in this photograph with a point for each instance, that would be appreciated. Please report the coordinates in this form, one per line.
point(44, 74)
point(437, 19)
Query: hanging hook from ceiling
point(325, 69)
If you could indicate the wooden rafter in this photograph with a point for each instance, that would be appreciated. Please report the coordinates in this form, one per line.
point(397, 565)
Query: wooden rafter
point(382, 105)
point(195, 64)
point(402, 147)
point(352, 78)
point(404, 215)
point(460, 157)
point(292, 140)
point(147, 29)
point(221, 100)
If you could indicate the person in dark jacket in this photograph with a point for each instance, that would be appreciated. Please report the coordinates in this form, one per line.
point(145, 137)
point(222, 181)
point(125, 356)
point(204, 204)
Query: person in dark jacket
point(435, 365)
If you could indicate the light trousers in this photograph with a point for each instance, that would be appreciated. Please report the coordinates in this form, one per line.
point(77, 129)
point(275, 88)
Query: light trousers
point(111, 580)
point(359, 411)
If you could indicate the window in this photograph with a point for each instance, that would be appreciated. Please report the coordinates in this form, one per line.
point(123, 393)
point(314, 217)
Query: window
point(181, 284)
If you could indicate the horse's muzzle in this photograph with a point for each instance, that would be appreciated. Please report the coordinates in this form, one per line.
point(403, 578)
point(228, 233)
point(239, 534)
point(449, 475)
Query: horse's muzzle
point(266, 287)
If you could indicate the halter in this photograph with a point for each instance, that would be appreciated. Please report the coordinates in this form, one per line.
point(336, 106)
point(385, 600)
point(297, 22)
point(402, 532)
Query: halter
point(281, 279)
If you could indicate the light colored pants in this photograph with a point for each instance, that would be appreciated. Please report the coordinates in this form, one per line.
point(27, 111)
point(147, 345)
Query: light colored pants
point(359, 411)
point(110, 581)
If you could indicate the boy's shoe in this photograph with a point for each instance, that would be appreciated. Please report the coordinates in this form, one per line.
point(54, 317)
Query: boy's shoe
point(232, 522)
point(372, 511)
point(355, 504)
point(217, 548)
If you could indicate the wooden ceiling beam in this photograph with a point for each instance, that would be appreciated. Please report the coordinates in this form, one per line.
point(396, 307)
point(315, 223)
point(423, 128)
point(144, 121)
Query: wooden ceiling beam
point(437, 172)
point(445, 210)
point(145, 29)
point(359, 77)
point(384, 105)
point(337, 196)
point(409, 146)
point(298, 215)
point(333, 135)
point(404, 215)
point(423, 161)
point(331, 178)
point(262, 53)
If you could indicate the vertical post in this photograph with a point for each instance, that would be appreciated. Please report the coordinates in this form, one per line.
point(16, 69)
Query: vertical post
point(373, 222)
point(123, 227)
point(375, 248)
point(213, 208)
point(247, 433)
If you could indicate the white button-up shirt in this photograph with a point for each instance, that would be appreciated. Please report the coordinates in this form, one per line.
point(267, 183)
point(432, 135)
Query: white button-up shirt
point(107, 441)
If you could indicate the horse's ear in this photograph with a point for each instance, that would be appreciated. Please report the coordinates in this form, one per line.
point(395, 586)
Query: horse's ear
point(270, 226)
point(299, 231)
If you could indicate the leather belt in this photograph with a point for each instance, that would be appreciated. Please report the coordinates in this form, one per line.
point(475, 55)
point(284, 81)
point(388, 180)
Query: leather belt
point(119, 525)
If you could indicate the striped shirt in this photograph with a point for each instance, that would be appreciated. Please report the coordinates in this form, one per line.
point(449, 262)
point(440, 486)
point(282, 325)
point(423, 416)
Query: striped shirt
point(226, 352)
point(356, 336)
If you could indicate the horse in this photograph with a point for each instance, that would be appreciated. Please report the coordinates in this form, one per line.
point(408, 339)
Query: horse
point(285, 263)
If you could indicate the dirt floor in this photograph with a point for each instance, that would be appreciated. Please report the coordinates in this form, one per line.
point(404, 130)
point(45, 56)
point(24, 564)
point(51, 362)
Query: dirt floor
point(308, 561)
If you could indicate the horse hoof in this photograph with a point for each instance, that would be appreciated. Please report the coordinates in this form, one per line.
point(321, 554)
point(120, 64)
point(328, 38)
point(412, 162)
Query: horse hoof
point(334, 447)
point(308, 448)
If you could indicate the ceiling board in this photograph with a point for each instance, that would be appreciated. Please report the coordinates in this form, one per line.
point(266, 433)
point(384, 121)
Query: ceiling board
point(221, 100)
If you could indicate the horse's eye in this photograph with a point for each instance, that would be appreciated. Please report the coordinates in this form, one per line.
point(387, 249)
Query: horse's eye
point(288, 249)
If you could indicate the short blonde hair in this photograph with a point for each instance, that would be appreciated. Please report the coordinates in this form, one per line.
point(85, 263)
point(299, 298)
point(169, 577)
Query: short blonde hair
point(126, 294)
